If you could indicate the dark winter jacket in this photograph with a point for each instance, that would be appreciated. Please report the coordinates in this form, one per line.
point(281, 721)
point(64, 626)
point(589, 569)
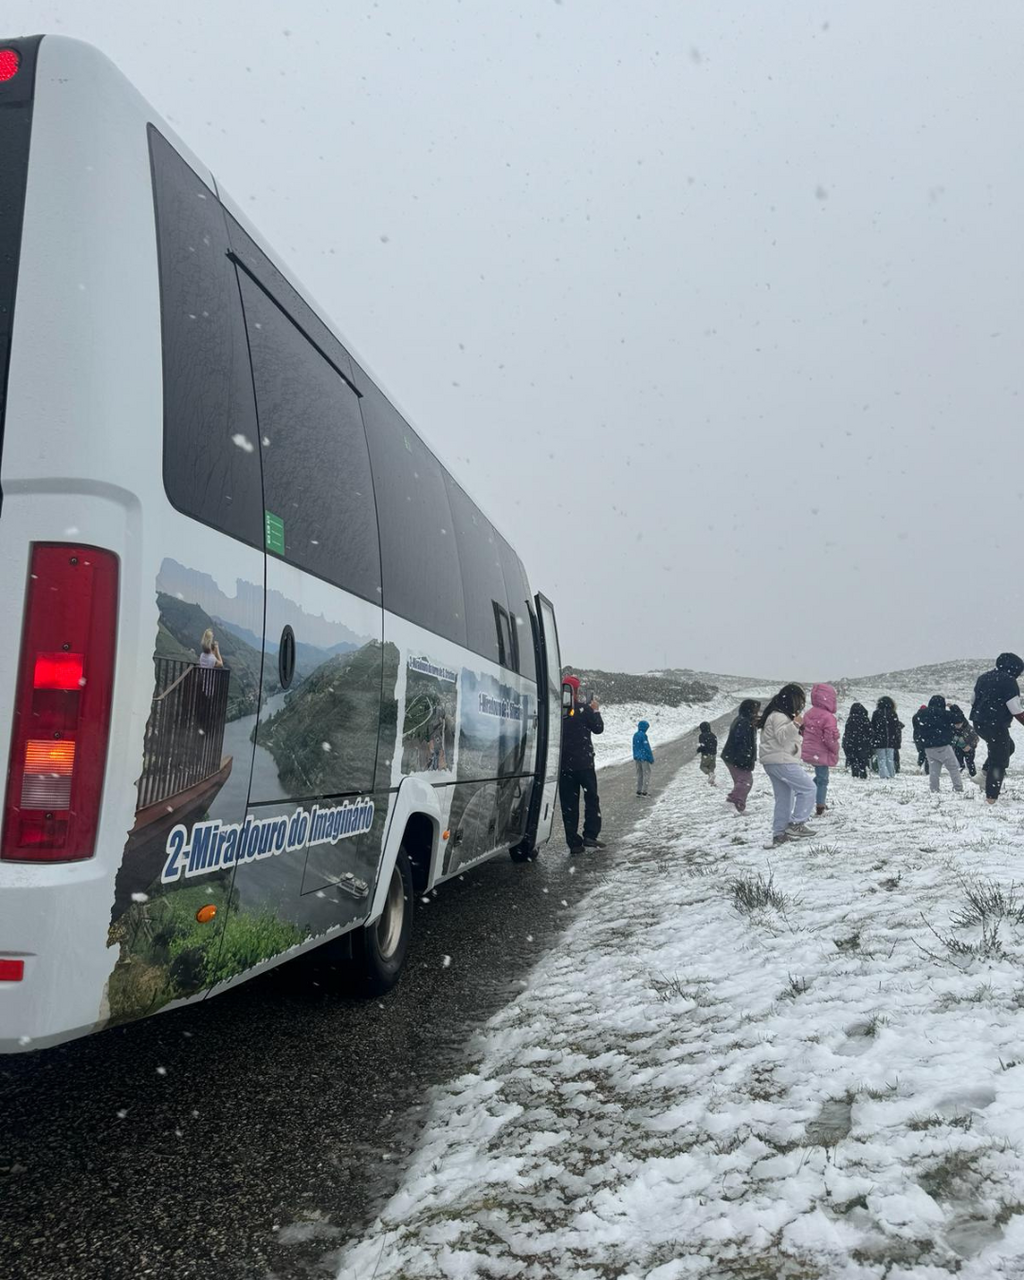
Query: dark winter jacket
point(936, 724)
point(994, 690)
point(740, 748)
point(964, 736)
point(916, 725)
point(707, 744)
point(886, 727)
point(857, 734)
point(577, 749)
point(641, 747)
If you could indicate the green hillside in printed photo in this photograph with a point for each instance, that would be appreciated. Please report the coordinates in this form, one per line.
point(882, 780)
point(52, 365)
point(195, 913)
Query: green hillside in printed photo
point(324, 739)
point(181, 629)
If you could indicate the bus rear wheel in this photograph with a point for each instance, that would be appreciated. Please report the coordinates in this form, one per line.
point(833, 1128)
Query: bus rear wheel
point(379, 949)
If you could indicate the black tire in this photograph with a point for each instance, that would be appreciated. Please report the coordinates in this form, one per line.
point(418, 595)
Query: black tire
point(379, 949)
point(522, 852)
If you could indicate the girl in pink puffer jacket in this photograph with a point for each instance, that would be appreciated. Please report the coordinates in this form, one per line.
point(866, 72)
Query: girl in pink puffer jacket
point(821, 739)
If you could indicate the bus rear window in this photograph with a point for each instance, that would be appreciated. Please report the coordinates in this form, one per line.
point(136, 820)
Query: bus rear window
point(211, 453)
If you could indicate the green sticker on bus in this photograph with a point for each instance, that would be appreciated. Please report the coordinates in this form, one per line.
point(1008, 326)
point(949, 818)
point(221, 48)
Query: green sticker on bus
point(273, 527)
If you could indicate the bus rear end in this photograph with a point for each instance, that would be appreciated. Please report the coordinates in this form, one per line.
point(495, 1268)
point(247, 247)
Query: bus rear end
point(80, 467)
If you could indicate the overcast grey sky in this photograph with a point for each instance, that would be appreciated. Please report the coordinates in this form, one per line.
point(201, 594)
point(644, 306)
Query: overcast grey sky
point(715, 308)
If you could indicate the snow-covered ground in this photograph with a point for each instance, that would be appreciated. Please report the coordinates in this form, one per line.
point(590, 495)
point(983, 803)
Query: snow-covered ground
point(803, 1063)
point(620, 721)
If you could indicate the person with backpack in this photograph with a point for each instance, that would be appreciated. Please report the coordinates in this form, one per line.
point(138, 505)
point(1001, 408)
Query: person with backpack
point(965, 740)
point(643, 757)
point(996, 704)
point(886, 736)
point(857, 740)
point(937, 739)
point(707, 749)
point(739, 754)
point(780, 755)
point(821, 740)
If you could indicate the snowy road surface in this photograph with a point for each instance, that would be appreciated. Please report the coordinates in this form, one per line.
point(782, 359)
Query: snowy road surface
point(615, 745)
point(707, 1079)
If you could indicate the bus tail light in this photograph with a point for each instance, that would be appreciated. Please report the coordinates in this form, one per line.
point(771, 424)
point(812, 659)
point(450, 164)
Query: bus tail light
point(62, 705)
point(10, 61)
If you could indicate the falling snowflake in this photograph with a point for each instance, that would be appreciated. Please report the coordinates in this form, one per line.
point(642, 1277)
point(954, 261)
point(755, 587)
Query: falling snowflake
point(243, 442)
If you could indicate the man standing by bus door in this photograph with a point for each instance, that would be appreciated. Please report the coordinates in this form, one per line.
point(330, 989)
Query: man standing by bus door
point(577, 770)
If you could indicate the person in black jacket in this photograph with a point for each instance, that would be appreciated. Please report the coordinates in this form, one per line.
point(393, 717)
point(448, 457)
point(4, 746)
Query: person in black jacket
point(886, 736)
point(577, 770)
point(707, 749)
point(857, 740)
point(937, 740)
point(739, 755)
point(996, 703)
point(922, 759)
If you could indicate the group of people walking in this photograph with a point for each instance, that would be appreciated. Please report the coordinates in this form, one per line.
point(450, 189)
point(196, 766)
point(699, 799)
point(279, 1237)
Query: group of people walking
point(944, 736)
point(791, 738)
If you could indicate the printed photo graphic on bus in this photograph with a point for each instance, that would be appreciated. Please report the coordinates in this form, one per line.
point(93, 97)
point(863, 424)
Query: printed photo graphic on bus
point(221, 733)
point(493, 727)
point(431, 714)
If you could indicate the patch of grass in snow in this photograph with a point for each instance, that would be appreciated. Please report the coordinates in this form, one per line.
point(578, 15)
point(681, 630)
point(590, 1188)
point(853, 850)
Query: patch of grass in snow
point(755, 893)
point(980, 994)
point(673, 986)
point(892, 882)
point(824, 850)
point(986, 901)
point(988, 947)
point(794, 987)
point(886, 1091)
point(955, 1172)
point(768, 1264)
point(919, 1123)
point(852, 943)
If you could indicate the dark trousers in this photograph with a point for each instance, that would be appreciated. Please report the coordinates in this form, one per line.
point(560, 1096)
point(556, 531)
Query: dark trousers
point(965, 759)
point(859, 766)
point(1000, 748)
point(569, 783)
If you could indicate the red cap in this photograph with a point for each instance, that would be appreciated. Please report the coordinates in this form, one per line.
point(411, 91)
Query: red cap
point(573, 680)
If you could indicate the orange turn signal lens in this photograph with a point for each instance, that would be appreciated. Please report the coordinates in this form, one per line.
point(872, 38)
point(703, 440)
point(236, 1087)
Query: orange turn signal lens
point(445, 835)
point(205, 914)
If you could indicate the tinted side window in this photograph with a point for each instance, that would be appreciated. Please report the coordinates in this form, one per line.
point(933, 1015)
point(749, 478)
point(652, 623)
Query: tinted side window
point(318, 492)
point(420, 562)
point(211, 459)
point(520, 603)
point(483, 583)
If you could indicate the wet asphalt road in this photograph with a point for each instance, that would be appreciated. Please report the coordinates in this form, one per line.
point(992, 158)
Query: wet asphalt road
point(248, 1137)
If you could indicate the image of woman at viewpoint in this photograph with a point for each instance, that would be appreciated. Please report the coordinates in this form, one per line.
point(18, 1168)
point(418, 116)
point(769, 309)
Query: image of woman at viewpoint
point(210, 651)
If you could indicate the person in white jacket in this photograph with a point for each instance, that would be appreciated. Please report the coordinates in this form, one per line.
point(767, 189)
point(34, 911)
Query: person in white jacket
point(780, 755)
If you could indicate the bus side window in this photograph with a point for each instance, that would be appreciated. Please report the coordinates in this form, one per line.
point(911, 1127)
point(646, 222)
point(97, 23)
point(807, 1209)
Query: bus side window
point(211, 460)
point(419, 555)
point(517, 590)
point(316, 470)
point(506, 647)
point(482, 579)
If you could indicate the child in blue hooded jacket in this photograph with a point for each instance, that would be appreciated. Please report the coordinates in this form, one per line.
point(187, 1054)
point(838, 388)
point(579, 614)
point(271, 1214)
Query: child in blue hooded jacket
point(643, 757)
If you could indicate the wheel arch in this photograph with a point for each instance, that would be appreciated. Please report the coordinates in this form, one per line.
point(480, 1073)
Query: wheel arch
point(416, 822)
